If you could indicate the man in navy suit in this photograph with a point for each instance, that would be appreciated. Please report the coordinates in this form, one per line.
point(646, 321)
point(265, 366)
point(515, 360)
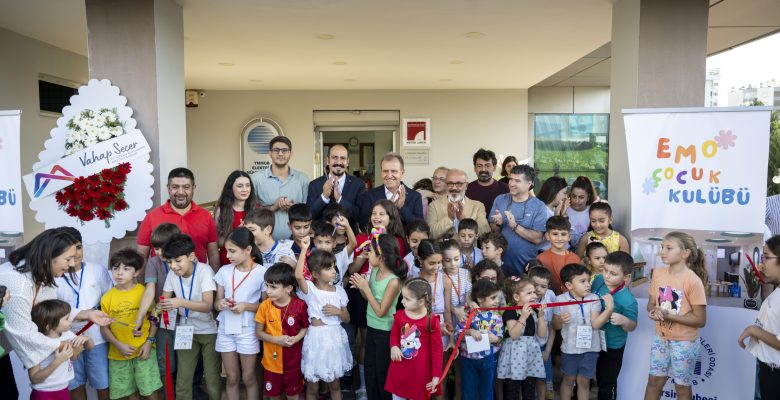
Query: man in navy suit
point(408, 201)
point(336, 185)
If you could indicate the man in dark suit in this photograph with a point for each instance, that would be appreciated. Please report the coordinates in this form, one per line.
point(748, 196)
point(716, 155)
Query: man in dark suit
point(336, 185)
point(408, 201)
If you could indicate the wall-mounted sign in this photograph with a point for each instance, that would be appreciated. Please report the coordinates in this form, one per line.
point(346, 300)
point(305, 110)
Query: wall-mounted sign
point(255, 137)
point(416, 132)
point(416, 156)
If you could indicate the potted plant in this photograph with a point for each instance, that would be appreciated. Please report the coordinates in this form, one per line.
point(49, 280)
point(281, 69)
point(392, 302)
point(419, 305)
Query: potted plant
point(753, 286)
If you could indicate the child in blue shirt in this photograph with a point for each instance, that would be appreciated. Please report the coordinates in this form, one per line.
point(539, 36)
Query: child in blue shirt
point(617, 270)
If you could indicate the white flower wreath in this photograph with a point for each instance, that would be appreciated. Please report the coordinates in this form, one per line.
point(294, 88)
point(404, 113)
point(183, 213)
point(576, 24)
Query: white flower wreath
point(111, 115)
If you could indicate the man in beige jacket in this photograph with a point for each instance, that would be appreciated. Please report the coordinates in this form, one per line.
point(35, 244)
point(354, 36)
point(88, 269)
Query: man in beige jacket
point(445, 213)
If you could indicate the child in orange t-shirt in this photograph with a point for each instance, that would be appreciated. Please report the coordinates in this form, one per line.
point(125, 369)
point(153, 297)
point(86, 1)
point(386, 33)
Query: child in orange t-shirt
point(282, 320)
point(556, 257)
point(678, 305)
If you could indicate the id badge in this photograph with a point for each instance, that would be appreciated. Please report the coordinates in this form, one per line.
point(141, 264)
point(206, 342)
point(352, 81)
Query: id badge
point(233, 323)
point(184, 335)
point(584, 336)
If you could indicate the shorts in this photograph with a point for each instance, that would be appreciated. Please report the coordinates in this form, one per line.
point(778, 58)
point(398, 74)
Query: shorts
point(583, 365)
point(674, 358)
point(244, 343)
point(62, 394)
point(135, 375)
point(289, 383)
point(548, 371)
point(162, 336)
point(91, 366)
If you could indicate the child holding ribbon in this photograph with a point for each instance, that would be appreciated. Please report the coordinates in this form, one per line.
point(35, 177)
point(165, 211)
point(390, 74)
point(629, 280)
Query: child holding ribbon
point(678, 305)
point(381, 292)
point(82, 289)
point(196, 331)
point(240, 286)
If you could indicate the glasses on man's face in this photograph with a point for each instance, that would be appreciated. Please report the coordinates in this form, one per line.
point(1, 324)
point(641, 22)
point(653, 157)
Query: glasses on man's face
point(456, 184)
point(765, 257)
point(437, 179)
point(280, 150)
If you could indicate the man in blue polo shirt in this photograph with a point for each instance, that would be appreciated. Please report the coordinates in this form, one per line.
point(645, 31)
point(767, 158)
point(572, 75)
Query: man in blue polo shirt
point(280, 186)
point(521, 218)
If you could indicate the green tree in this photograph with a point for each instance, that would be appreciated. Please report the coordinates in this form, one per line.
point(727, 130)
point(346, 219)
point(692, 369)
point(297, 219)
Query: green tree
point(773, 168)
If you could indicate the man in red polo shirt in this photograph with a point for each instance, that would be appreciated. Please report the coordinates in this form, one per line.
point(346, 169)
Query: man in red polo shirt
point(184, 213)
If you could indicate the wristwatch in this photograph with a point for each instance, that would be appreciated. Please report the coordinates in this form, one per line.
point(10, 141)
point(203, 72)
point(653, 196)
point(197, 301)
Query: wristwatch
point(151, 339)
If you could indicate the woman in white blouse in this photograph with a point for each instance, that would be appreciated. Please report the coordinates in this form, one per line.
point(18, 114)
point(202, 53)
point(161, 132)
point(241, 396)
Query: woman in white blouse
point(29, 278)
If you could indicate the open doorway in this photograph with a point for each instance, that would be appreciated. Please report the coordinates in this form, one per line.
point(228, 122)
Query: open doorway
point(367, 134)
point(365, 149)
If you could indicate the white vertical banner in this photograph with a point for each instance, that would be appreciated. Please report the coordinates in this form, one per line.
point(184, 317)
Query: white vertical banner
point(698, 168)
point(722, 371)
point(11, 175)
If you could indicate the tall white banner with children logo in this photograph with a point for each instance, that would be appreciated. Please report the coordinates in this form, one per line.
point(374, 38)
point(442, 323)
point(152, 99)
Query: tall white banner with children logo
point(11, 175)
point(698, 168)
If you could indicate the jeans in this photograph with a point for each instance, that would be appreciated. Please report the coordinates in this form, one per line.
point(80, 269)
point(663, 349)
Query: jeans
point(203, 345)
point(477, 377)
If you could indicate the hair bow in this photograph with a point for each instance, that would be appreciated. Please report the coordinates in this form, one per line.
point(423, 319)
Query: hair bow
point(373, 236)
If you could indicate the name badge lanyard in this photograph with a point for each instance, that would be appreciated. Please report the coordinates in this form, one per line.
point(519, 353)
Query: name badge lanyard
point(582, 308)
point(77, 291)
point(473, 257)
point(233, 284)
point(192, 284)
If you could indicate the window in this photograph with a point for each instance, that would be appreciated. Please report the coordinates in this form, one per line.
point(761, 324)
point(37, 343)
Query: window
point(570, 145)
point(55, 93)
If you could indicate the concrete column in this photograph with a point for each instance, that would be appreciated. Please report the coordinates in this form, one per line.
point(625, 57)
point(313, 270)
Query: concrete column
point(139, 46)
point(659, 50)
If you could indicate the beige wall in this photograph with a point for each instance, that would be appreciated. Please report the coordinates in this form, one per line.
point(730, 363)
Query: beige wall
point(24, 59)
point(461, 122)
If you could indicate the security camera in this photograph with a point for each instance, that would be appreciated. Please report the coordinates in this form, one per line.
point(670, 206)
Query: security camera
point(202, 93)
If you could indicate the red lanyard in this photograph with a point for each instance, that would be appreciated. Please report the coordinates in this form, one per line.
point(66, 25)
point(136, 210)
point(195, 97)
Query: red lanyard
point(233, 282)
point(457, 290)
point(37, 288)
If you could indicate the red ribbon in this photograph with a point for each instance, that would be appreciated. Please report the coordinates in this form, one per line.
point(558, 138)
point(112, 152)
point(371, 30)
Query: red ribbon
point(84, 329)
point(168, 377)
point(471, 318)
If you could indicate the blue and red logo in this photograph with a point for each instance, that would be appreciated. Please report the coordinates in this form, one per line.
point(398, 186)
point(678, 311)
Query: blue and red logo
point(64, 175)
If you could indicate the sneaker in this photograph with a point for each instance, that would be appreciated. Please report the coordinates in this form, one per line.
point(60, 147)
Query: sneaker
point(360, 394)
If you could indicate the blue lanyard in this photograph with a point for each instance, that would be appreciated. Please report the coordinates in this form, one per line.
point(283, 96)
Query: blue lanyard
point(582, 308)
point(473, 258)
point(192, 283)
point(165, 264)
point(81, 279)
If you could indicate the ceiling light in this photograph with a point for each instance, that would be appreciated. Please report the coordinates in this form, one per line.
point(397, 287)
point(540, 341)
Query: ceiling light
point(339, 63)
point(473, 35)
point(325, 36)
point(350, 80)
point(227, 64)
point(445, 80)
point(456, 62)
point(255, 80)
point(717, 240)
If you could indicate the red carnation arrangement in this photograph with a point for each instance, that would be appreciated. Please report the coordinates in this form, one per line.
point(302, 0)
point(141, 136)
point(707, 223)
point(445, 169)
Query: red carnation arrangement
point(97, 196)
